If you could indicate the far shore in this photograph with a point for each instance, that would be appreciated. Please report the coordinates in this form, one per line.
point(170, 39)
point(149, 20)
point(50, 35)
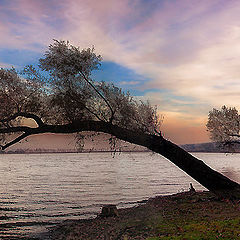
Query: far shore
point(209, 147)
point(102, 151)
point(69, 151)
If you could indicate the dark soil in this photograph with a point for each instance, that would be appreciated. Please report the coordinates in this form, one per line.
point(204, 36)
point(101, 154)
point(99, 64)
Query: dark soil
point(188, 215)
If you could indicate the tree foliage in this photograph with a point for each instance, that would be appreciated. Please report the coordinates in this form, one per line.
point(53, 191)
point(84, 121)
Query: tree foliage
point(60, 91)
point(224, 125)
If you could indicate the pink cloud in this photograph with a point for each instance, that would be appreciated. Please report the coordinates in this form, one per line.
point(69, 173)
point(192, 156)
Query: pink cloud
point(26, 23)
point(189, 47)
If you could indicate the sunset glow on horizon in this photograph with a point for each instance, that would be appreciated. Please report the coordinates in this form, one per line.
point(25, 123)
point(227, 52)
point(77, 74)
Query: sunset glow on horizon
point(182, 56)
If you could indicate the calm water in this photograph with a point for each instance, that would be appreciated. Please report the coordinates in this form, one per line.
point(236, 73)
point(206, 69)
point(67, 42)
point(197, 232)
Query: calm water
point(40, 190)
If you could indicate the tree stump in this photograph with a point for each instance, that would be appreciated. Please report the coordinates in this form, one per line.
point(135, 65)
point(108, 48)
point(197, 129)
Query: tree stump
point(109, 211)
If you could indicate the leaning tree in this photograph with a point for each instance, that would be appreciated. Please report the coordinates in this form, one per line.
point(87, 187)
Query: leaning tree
point(59, 96)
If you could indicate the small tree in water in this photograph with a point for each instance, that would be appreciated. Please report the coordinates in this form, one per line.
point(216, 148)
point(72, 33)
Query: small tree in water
point(61, 97)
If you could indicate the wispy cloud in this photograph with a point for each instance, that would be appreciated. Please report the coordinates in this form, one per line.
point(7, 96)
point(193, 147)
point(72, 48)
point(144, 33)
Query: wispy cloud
point(189, 50)
point(129, 83)
point(28, 24)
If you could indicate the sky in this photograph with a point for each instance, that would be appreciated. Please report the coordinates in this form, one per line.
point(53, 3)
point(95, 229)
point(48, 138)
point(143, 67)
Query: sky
point(183, 56)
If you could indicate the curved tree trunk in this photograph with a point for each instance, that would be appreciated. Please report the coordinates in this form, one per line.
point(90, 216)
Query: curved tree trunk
point(197, 169)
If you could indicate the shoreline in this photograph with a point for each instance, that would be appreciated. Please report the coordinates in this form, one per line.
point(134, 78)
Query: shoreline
point(187, 215)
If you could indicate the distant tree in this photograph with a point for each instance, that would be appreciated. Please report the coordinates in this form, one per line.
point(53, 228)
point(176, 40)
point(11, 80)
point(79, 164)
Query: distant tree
point(61, 97)
point(224, 126)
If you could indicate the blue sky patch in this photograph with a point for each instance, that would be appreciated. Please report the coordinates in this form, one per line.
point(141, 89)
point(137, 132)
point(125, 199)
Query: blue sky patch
point(19, 58)
point(123, 77)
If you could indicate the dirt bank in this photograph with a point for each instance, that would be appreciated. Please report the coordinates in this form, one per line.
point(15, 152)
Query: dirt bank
point(181, 216)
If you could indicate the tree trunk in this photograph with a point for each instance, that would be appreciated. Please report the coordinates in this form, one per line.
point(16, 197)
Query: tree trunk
point(197, 169)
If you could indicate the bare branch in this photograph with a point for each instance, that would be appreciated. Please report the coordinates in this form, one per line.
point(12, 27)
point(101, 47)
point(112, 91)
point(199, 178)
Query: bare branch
point(16, 140)
point(80, 126)
point(93, 113)
point(16, 103)
point(105, 100)
point(88, 109)
point(16, 129)
point(231, 142)
point(234, 135)
point(37, 119)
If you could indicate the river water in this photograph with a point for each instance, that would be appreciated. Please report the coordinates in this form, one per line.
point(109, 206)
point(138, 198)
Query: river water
point(38, 191)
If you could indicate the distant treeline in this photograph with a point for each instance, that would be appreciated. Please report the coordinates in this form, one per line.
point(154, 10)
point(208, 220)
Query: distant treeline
point(38, 151)
point(200, 147)
point(211, 147)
